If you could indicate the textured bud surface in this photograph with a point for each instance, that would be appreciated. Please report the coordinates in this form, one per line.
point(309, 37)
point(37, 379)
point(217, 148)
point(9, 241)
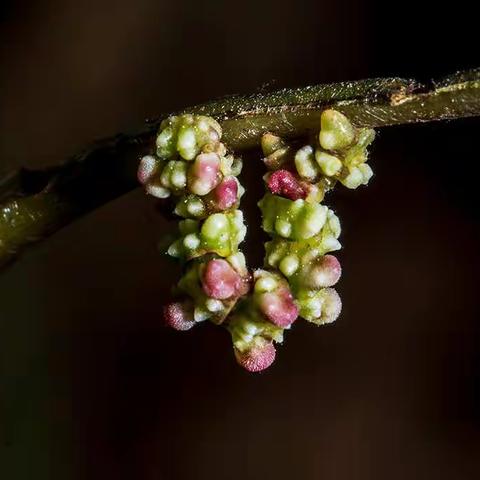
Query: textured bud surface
point(276, 304)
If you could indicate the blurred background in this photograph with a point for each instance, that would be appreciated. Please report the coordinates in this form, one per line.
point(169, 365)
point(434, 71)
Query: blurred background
point(93, 387)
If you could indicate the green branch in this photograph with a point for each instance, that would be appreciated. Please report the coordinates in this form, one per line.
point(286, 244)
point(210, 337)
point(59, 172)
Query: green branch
point(34, 204)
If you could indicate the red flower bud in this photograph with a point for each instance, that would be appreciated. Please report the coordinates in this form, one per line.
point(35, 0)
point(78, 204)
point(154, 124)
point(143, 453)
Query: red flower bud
point(284, 183)
point(225, 194)
point(257, 358)
point(278, 307)
point(221, 281)
point(204, 173)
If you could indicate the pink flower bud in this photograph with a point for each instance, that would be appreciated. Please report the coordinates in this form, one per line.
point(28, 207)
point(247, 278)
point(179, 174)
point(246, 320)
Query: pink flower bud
point(179, 315)
point(284, 183)
point(225, 194)
point(278, 307)
point(324, 272)
point(257, 358)
point(147, 169)
point(221, 281)
point(203, 175)
point(331, 307)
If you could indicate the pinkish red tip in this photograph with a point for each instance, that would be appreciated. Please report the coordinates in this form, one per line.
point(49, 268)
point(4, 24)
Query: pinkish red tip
point(284, 183)
point(258, 358)
point(279, 307)
point(221, 281)
point(225, 193)
point(178, 316)
point(204, 173)
point(325, 272)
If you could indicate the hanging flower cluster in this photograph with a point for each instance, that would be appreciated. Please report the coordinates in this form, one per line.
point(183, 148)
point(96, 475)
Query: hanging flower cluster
point(192, 165)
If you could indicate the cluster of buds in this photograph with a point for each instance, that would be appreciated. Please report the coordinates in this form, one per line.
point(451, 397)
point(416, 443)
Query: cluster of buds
point(191, 163)
point(209, 289)
point(339, 153)
point(261, 320)
point(304, 231)
point(219, 233)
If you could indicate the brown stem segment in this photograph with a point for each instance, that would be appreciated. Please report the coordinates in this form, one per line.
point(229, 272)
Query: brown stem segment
point(34, 204)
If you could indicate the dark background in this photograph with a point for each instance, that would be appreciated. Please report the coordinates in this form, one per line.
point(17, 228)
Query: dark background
point(92, 386)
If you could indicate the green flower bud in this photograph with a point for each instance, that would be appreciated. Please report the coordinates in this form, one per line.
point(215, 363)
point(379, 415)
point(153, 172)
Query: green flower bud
point(230, 165)
point(291, 219)
point(174, 176)
point(356, 176)
point(271, 143)
point(329, 164)
point(276, 151)
point(305, 163)
point(247, 326)
point(284, 254)
point(319, 306)
point(357, 154)
point(220, 233)
point(190, 206)
point(187, 135)
point(336, 131)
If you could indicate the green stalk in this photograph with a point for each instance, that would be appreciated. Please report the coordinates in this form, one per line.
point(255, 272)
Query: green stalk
point(34, 204)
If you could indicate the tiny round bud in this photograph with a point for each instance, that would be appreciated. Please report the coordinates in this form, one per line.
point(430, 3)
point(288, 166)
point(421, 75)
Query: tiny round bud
point(283, 227)
point(186, 142)
point(226, 193)
point(201, 314)
point(325, 272)
point(257, 358)
point(195, 207)
point(157, 191)
point(203, 175)
point(305, 163)
point(191, 241)
point(278, 307)
point(147, 169)
point(271, 143)
point(214, 225)
point(178, 315)
point(289, 265)
point(265, 284)
point(220, 280)
point(214, 305)
point(336, 131)
point(331, 307)
point(329, 164)
point(354, 178)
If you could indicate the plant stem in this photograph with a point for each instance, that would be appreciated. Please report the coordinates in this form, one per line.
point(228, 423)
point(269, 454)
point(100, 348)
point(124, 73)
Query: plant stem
point(35, 204)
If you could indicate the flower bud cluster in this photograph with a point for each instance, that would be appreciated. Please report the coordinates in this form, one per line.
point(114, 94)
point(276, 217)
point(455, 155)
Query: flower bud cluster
point(338, 154)
point(191, 163)
point(303, 231)
point(210, 288)
point(261, 320)
point(219, 233)
point(299, 271)
point(304, 260)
